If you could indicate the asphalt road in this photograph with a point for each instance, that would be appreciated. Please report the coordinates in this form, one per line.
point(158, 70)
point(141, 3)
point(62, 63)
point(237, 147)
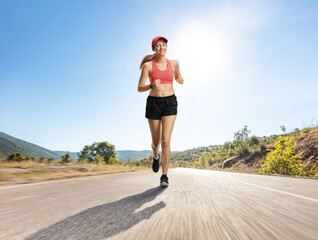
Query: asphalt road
point(198, 204)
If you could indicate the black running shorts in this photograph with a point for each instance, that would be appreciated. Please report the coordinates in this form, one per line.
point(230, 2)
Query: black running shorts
point(161, 106)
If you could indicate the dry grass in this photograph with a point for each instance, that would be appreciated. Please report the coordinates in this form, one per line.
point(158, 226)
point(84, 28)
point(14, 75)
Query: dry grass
point(14, 172)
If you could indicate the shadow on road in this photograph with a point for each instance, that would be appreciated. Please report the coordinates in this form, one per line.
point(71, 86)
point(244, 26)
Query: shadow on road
point(104, 220)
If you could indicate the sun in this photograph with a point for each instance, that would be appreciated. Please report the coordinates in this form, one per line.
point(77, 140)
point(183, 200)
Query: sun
point(202, 51)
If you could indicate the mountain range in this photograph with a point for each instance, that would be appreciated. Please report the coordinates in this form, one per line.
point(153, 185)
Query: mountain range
point(9, 145)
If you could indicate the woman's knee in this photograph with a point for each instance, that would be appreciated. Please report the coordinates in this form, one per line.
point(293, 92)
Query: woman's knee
point(156, 144)
point(165, 143)
point(156, 141)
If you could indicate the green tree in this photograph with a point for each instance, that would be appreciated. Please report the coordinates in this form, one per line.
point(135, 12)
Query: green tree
point(106, 150)
point(203, 160)
point(242, 135)
point(103, 149)
point(87, 154)
point(210, 162)
point(282, 159)
point(227, 146)
point(283, 128)
point(67, 158)
point(241, 141)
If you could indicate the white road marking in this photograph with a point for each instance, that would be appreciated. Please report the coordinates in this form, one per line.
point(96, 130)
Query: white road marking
point(275, 190)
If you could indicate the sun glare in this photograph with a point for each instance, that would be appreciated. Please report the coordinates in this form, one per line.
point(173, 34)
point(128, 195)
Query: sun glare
point(207, 45)
point(203, 51)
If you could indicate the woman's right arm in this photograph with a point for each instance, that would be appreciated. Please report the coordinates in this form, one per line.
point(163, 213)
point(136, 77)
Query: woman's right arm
point(145, 72)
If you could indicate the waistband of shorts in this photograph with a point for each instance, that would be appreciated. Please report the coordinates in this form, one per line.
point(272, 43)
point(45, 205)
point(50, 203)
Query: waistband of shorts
point(161, 97)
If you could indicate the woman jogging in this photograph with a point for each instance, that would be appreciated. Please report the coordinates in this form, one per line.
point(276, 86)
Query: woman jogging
point(161, 108)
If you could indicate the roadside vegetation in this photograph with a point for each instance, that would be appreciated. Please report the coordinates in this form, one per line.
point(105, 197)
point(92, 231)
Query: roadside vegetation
point(294, 153)
point(98, 158)
point(29, 171)
point(283, 160)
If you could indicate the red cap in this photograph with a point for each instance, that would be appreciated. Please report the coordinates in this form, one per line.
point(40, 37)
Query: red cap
point(156, 39)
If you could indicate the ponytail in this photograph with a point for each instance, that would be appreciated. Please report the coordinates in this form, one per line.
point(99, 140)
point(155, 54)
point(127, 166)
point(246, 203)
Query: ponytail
point(147, 58)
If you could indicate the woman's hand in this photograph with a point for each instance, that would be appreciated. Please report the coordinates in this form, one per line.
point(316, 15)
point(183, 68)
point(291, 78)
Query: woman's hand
point(156, 84)
point(179, 79)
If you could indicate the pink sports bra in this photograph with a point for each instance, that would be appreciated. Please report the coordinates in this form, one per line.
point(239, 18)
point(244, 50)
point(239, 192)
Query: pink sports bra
point(165, 76)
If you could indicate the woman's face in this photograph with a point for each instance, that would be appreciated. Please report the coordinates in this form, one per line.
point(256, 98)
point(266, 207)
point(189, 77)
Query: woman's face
point(160, 47)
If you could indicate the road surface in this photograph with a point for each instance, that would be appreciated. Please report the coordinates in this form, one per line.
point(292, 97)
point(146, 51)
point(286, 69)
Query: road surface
point(198, 204)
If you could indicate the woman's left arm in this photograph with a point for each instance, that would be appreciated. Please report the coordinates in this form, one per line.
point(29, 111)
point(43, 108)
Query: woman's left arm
point(177, 74)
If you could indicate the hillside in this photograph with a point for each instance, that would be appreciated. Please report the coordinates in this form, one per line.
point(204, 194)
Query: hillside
point(123, 155)
point(9, 144)
point(306, 144)
point(186, 158)
point(218, 158)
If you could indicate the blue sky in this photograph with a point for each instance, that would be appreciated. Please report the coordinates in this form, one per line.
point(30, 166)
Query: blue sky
point(69, 69)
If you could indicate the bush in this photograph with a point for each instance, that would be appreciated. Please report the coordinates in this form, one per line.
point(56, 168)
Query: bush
point(67, 158)
point(262, 147)
point(98, 159)
point(113, 160)
point(252, 141)
point(228, 146)
point(297, 132)
point(242, 149)
point(282, 159)
point(80, 160)
point(50, 160)
point(16, 157)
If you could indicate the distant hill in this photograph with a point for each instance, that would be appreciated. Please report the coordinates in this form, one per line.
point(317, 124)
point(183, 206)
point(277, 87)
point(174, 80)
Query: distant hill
point(132, 155)
point(9, 144)
point(123, 155)
point(126, 155)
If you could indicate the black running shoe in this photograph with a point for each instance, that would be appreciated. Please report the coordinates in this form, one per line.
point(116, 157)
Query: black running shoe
point(155, 164)
point(164, 181)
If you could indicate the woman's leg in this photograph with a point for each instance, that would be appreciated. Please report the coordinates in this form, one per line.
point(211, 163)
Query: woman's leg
point(167, 127)
point(155, 129)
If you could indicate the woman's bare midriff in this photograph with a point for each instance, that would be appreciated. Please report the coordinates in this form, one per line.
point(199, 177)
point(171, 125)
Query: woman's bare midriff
point(164, 91)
